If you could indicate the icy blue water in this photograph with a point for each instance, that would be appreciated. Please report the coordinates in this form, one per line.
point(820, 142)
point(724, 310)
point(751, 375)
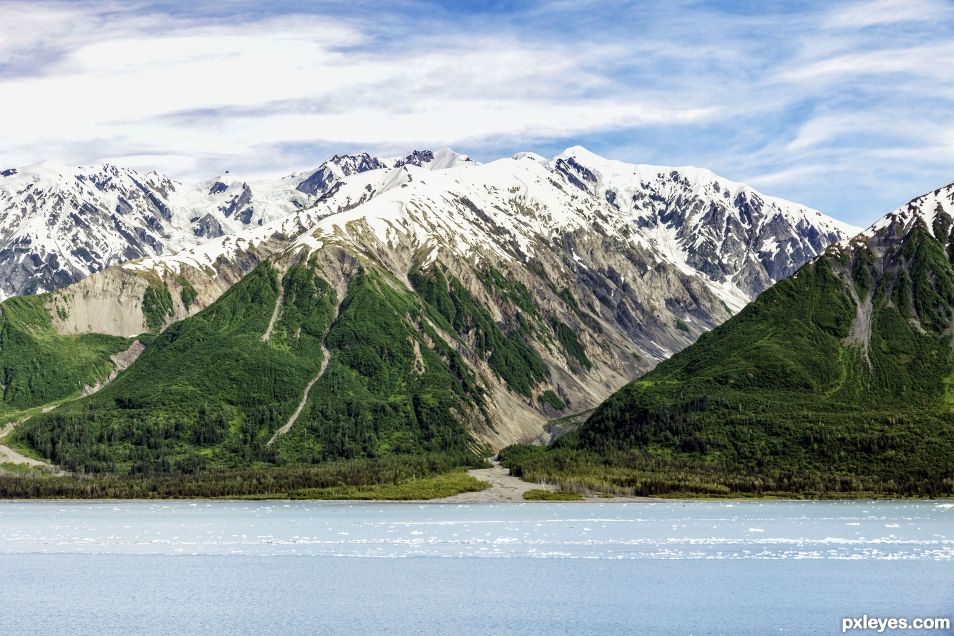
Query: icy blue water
point(317, 567)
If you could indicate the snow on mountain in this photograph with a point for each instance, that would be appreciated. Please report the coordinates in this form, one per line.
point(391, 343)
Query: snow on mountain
point(337, 169)
point(436, 160)
point(935, 209)
point(59, 224)
point(741, 240)
point(344, 182)
point(737, 239)
point(229, 204)
point(649, 254)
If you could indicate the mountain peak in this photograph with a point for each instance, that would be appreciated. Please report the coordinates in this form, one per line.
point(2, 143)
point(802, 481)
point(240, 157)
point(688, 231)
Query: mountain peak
point(551, 282)
point(935, 209)
point(532, 156)
point(580, 152)
point(433, 159)
point(698, 223)
point(331, 173)
point(582, 156)
point(859, 338)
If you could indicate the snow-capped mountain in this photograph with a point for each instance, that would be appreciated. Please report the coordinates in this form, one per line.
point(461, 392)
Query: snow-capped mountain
point(337, 169)
point(59, 224)
point(740, 239)
point(844, 369)
point(736, 239)
point(617, 265)
point(935, 209)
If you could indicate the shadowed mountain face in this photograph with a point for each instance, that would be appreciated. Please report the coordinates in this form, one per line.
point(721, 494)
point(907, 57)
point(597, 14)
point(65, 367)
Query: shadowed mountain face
point(837, 379)
point(421, 304)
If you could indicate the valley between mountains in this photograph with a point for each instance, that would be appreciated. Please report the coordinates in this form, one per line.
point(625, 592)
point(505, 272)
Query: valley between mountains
point(375, 326)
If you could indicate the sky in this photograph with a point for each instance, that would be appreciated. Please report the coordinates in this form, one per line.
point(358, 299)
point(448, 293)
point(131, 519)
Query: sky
point(844, 106)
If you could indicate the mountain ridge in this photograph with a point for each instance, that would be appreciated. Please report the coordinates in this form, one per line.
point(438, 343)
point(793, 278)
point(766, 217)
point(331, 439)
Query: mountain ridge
point(138, 222)
point(61, 223)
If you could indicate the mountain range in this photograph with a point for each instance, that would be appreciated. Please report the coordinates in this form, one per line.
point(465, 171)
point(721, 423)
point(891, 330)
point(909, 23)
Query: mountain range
point(366, 308)
point(59, 224)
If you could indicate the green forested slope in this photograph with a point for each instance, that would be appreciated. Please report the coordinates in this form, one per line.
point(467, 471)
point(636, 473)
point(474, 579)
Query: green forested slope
point(38, 366)
point(392, 386)
point(205, 384)
point(209, 392)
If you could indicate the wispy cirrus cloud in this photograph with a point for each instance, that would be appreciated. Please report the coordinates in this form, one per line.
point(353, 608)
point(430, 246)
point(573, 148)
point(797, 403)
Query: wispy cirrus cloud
point(846, 107)
point(858, 15)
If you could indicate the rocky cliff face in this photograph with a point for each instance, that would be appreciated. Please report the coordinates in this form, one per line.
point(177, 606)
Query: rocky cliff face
point(742, 241)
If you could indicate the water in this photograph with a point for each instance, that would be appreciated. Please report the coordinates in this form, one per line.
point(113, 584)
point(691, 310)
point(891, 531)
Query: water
point(321, 567)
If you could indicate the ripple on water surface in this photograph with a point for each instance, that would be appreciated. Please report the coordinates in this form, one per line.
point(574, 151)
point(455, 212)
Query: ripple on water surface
point(663, 530)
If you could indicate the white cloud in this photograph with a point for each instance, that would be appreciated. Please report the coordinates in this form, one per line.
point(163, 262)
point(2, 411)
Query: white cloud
point(788, 175)
point(928, 60)
point(155, 86)
point(881, 12)
point(878, 123)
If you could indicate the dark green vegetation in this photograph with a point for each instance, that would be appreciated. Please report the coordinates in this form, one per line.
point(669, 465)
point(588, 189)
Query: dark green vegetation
point(538, 494)
point(157, 306)
point(415, 488)
point(210, 392)
point(204, 383)
point(453, 308)
point(393, 386)
point(552, 400)
point(529, 319)
point(376, 377)
point(836, 382)
point(188, 293)
point(37, 365)
point(571, 345)
point(417, 477)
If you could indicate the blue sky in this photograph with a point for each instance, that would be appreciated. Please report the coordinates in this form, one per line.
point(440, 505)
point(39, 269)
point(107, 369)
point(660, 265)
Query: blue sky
point(844, 106)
